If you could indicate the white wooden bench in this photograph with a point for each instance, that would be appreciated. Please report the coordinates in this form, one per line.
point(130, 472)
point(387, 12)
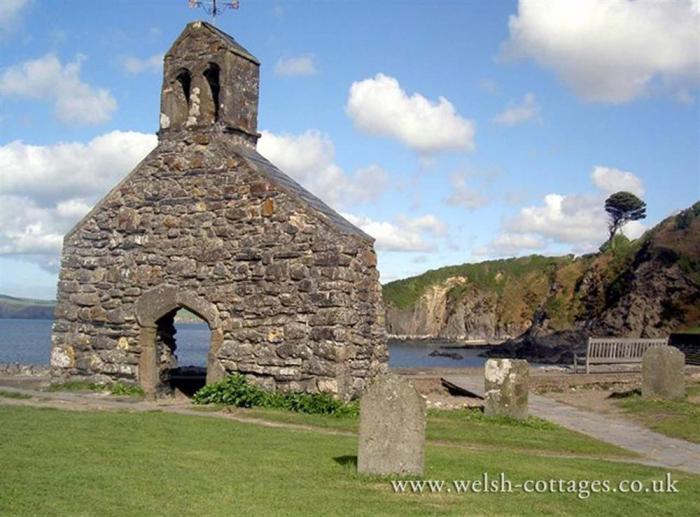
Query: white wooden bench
point(616, 351)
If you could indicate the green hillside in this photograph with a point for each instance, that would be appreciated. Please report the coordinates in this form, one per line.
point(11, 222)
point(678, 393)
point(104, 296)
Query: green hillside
point(494, 275)
point(568, 289)
point(518, 286)
point(25, 308)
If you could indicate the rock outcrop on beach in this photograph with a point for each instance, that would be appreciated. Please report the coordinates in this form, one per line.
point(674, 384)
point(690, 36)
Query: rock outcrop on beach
point(546, 307)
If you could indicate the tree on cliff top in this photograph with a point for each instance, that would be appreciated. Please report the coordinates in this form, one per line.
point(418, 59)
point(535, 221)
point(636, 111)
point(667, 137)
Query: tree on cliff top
point(623, 207)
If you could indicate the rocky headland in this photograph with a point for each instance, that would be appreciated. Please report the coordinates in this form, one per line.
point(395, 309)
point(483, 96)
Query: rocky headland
point(546, 307)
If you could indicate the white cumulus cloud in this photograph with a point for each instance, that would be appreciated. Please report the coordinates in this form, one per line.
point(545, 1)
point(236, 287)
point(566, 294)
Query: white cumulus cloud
point(52, 173)
point(300, 66)
point(47, 79)
point(136, 65)
point(309, 158)
point(405, 234)
point(28, 228)
point(515, 114)
point(10, 13)
point(379, 106)
point(425, 223)
point(45, 190)
point(570, 219)
point(610, 50)
point(611, 180)
point(575, 221)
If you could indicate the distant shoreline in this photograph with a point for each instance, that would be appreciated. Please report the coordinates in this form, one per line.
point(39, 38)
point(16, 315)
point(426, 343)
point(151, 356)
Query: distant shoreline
point(459, 343)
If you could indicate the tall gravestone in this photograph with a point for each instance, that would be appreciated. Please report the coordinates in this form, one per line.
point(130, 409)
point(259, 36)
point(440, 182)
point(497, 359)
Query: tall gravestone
point(392, 428)
point(506, 385)
point(662, 373)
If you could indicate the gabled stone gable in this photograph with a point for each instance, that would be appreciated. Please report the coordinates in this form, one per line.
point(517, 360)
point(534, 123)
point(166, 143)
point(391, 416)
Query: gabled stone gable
point(295, 287)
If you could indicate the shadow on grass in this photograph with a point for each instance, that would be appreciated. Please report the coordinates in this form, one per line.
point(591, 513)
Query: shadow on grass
point(346, 461)
point(625, 394)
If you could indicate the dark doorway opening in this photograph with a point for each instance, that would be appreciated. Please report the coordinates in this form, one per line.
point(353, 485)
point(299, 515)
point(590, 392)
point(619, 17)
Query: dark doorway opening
point(183, 340)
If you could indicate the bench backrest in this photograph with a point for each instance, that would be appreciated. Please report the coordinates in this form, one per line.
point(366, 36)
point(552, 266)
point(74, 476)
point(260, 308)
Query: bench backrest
point(619, 350)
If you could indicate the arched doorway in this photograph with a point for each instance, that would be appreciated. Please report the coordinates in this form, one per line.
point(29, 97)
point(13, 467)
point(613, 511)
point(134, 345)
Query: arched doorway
point(155, 312)
point(182, 345)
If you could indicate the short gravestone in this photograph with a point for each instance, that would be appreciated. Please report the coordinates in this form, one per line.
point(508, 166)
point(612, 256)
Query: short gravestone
point(662, 373)
point(392, 428)
point(506, 387)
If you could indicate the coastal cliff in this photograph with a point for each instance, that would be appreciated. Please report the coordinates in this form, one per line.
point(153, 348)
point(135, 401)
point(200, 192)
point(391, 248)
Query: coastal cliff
point(643, 288)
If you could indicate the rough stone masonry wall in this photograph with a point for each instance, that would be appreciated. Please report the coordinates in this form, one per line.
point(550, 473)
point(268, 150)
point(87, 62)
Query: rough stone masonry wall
point(299, 302)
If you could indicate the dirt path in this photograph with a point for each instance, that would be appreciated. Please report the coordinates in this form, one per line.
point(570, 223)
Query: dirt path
point(102, 402)
point(660, 450)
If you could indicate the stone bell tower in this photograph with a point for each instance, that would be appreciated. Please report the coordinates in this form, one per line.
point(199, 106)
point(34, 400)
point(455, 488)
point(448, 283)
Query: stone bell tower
point(210, 84)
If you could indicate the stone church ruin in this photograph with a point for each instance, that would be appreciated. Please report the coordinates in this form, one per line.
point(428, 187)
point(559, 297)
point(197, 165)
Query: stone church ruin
point(288, 288)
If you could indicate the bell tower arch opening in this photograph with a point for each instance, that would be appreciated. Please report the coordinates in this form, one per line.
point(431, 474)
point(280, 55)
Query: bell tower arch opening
point(184, 79)
point(176, 98)
point(212, 74)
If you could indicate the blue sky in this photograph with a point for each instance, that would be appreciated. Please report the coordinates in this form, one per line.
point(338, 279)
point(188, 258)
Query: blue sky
point(450, 131)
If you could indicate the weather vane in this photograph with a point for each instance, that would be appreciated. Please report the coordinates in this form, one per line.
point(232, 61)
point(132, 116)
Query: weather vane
point(214, 8)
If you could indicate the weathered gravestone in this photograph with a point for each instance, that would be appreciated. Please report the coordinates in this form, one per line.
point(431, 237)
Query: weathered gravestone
point(662, 373)
point(506, 387)
point(392, 428)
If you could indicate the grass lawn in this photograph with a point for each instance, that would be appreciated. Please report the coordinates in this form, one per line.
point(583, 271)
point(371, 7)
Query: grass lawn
point(470, 427)
point(679, 419)
point(115, 389)
point(13, 395)
point(104, 463)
